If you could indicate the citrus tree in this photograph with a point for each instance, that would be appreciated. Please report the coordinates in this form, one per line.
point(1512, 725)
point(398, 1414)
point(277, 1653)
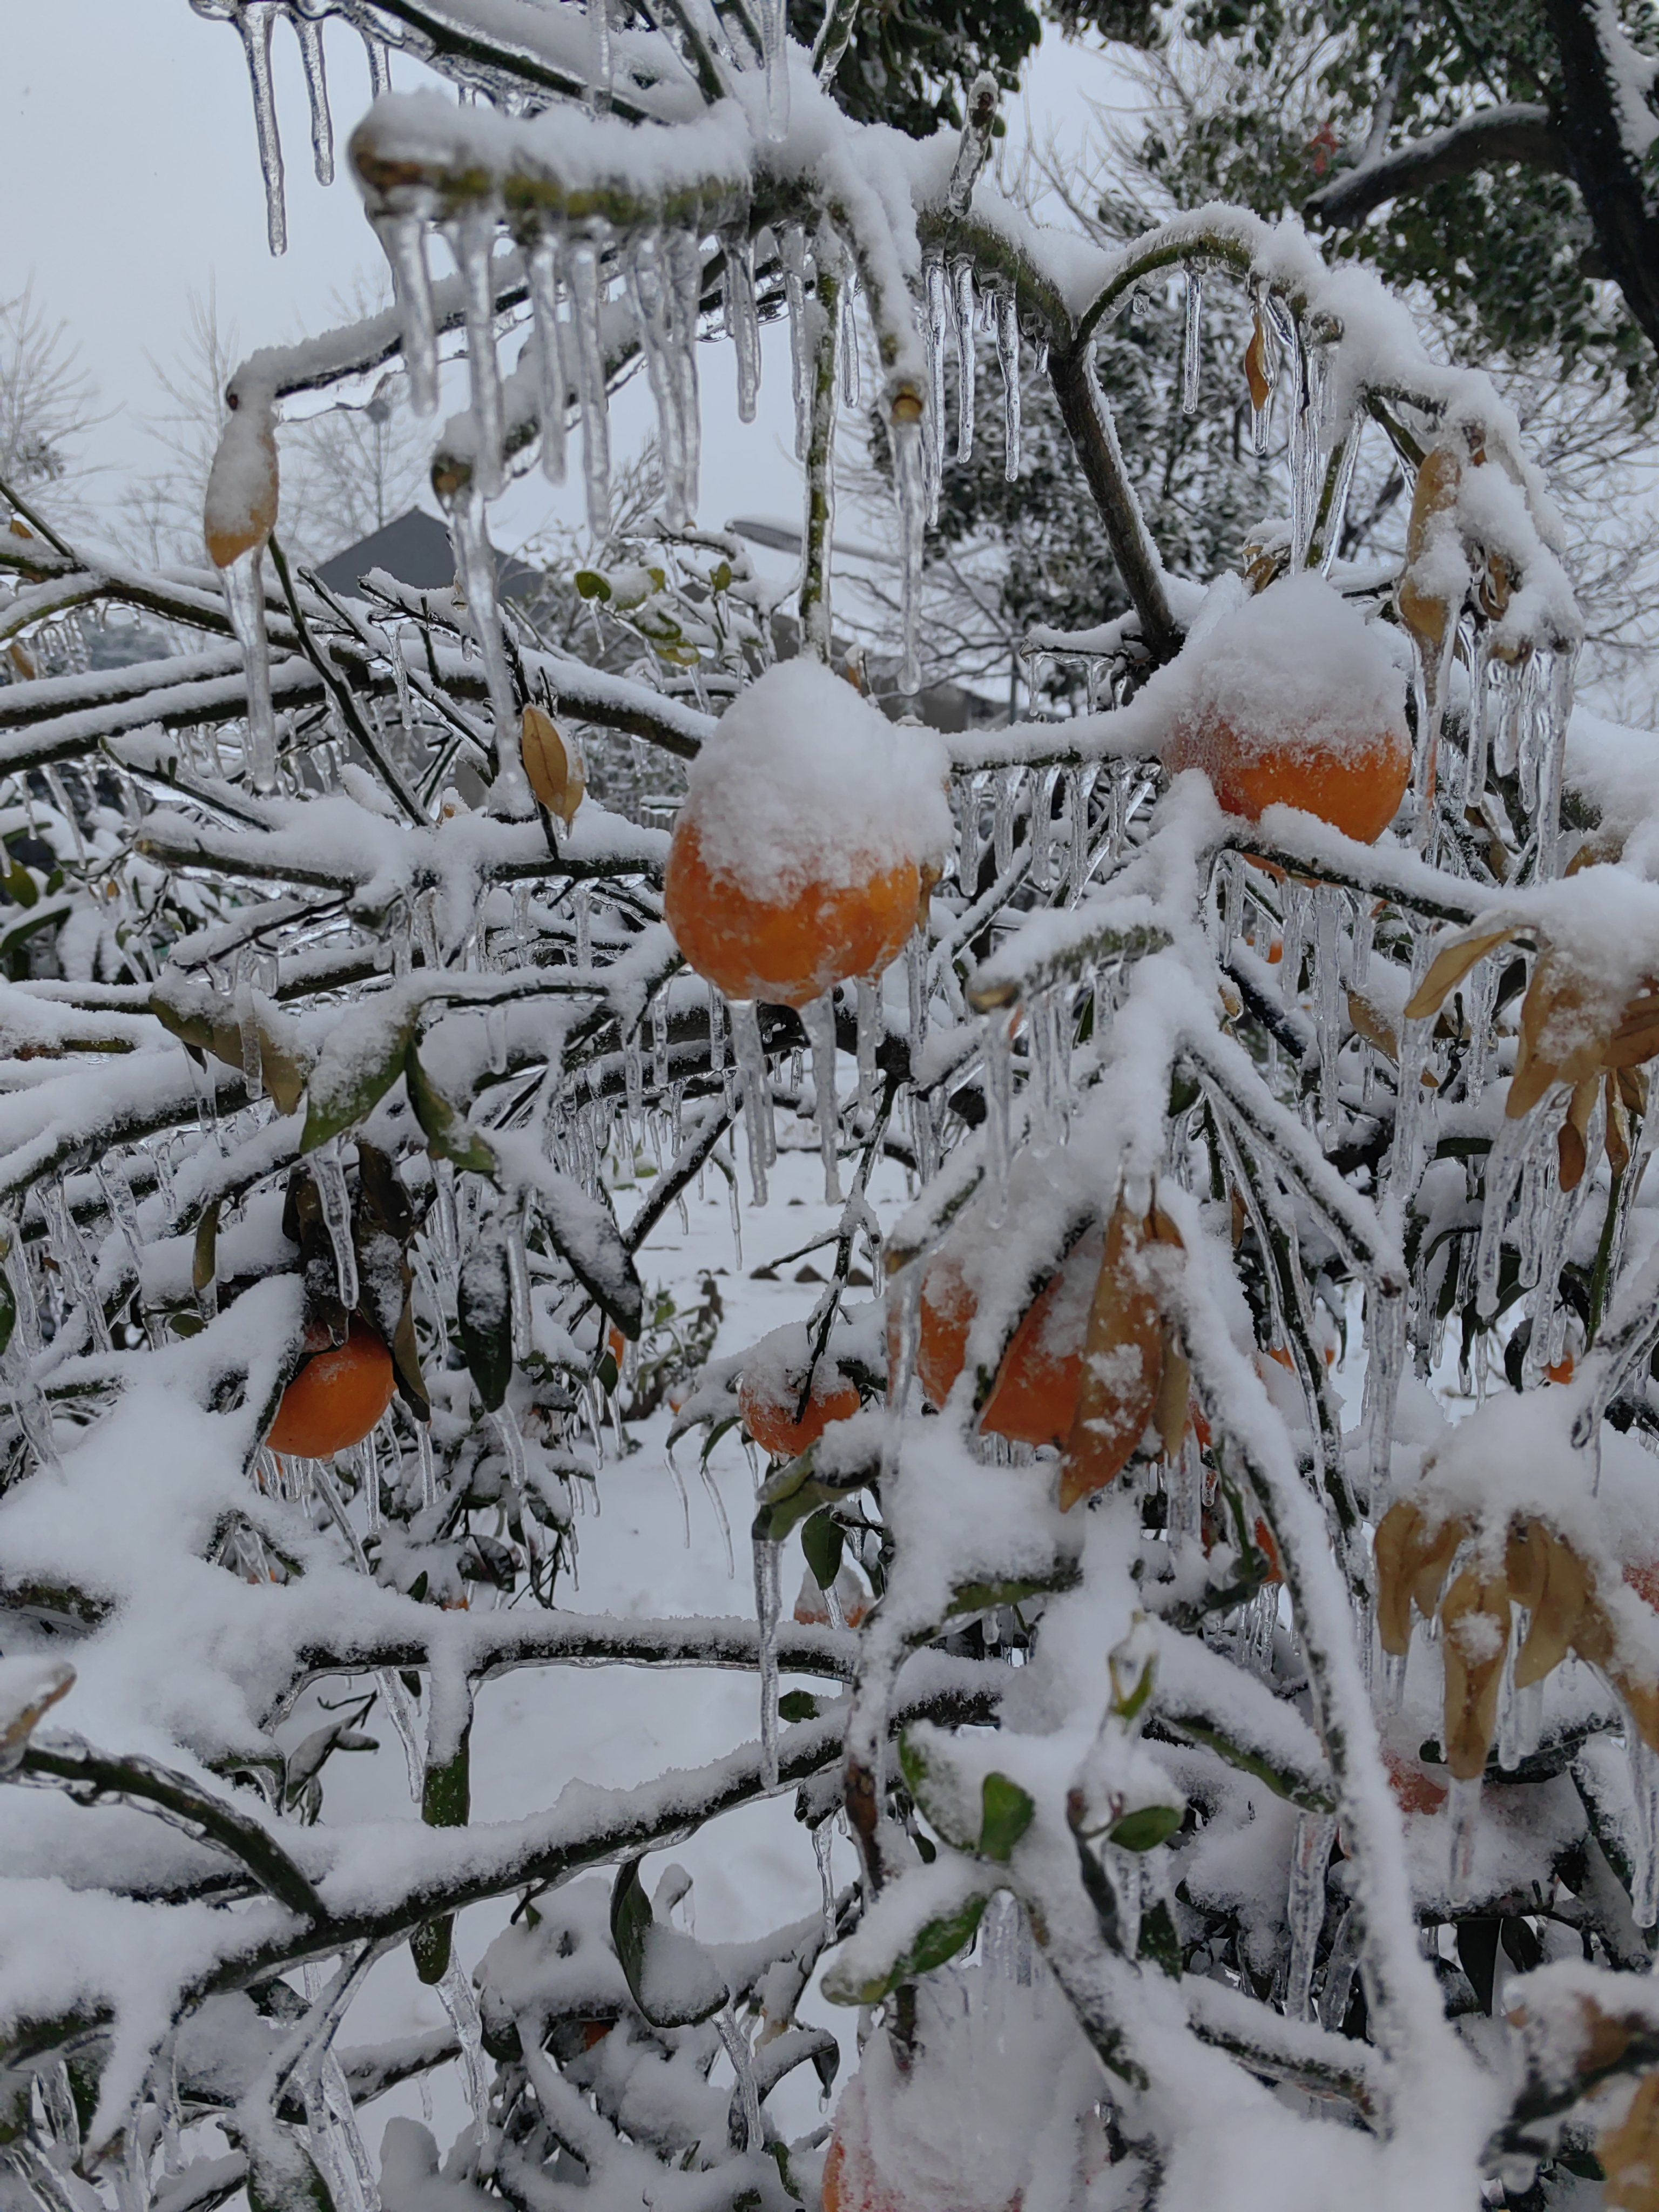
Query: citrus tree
point(1236, 1662)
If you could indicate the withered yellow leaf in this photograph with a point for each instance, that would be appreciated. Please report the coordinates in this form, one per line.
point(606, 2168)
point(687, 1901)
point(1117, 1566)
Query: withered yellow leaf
point(1557, 1609)
point(554, 776)
point(1629, 2153)
point(1123, 1350)
point(1451, 964)
point(1475, 1621)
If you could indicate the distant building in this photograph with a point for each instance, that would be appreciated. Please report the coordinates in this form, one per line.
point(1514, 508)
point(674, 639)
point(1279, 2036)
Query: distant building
point(416, 550)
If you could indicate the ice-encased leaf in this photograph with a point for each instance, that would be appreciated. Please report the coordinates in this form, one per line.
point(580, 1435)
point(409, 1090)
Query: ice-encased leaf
point(675, 1982)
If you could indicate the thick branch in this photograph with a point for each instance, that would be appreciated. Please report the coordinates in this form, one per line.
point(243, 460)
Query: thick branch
point(1603, 163)
point(1487, 140)
point(1089, 425)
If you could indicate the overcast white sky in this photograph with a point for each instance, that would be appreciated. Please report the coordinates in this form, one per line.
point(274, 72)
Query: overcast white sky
point(127, 167)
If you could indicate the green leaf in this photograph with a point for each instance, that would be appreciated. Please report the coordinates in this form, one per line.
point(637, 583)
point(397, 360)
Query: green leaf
point(21, 885)
point(607, 1375)
point(1160, 1943)
point(937, 1942)
point(720, 579)
point(447, 1132)
point(483, 1319)
point(822, 1539)
point(358, 1064)
point(674, 1981)
point(7, 1311)
point(1008, 1813)
point(1141, 1830)
point(589, 584)
point(797, 1705)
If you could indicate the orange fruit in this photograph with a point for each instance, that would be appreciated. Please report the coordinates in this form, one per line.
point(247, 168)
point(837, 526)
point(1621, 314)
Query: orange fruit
point(790, 949)
point(851, 2182)
point(1357, 788)
point(1291, 699)
point(769, 1413)
point(1035, 1398)
point(335, 1399)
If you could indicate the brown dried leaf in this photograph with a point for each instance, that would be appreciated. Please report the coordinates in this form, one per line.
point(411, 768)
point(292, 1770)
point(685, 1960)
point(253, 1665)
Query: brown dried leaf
point(1557, 1614)
point(1174, 1391)
point(1475, 1621)
point(1398, 1547)
point(1572, 1144)
point(1629, 2153)
point(1123, 1351)
point(1451, 964)
point(554, 777)
point(1526, 1562)
point(1365, 1019)
point(1255, 371)
point(1618, 1132)
point(1434, 1564)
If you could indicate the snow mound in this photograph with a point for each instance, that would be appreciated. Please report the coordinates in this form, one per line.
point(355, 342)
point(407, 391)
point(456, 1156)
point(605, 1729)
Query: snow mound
point(1294, 667)
point(803, 781)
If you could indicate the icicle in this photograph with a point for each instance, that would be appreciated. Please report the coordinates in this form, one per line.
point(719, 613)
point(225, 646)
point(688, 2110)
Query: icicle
point(1644, 1789)
point(255, 20)
point(659, 1040)
point(309, 32)
point(848, 343)
point(819, 1020)
point(583, 276)
point(871, 1029)
point(1000, 1100)
point(1338, 1993)
point(1465, 1826)
point(1505, 1165)
point(542, 267)
point(823, 1843)
point(1304, 1911)
point(743, 2066)
point(936, 295)
point(460, 2001)
point(244, 603)
point(378, 55)
point(757, 1092)
point(475, 563)
point(1554, 711)
point(403, 237)
point(1004, 790)
point(1344, 486)
point(648, 291)
point(911, 493)
point(1008, 362)
point(1385, 1345)
point(1330, 1010)
point(743, 319)
point(518, 1283)
point(915, 983)
point(962, 295)
point(329, 1175)
point(1191, 349)
point(773, 18)
point(684, 275)
point(598, 54)
point(471, 238)
point(792, 252)
point(768, 1606)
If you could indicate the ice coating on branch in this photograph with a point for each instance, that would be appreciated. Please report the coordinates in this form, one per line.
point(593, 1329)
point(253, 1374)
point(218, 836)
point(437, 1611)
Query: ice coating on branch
point(805, 781)
point(1296, 666)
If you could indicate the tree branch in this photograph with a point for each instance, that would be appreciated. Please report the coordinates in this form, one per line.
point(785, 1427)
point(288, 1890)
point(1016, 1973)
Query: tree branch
point(1487, 140)
point(1603, 163)
point(1094, 439)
